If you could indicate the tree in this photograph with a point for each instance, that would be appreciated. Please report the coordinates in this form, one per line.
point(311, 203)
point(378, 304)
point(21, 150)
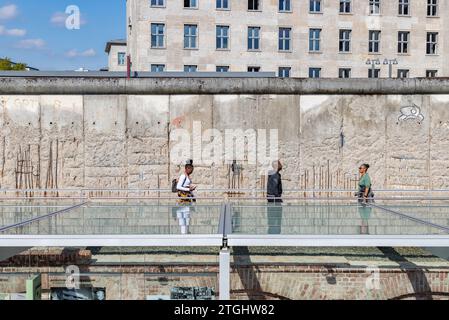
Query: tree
point(7, 64)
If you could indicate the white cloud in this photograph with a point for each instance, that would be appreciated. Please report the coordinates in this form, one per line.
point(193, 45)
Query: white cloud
point(87, 53)
point(8, 12)
point(59, 18)
point(30, 44)
point(12, 32)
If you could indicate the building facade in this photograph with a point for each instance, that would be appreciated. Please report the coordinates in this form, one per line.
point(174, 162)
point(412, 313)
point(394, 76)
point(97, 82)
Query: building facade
point(117, 53)
point(299, 38)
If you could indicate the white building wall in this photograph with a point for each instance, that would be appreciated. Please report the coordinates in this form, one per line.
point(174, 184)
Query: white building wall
point(206, 16)
point(113, 62)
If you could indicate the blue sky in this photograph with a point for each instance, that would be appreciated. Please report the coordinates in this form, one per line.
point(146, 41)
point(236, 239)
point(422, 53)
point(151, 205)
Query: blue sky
point(34, 32)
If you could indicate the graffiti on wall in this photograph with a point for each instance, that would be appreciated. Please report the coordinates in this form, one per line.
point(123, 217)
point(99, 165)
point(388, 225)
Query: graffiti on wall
point(411, 112)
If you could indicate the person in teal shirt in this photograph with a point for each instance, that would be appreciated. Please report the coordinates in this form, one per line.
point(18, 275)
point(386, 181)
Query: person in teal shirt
point(364, 182)
point(363, 195)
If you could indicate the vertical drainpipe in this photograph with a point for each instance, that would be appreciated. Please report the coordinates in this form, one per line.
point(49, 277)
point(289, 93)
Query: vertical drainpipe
point(128, 66)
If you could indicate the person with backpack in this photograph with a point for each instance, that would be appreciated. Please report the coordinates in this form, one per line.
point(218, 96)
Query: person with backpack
point(184, 185)
point(365, 193)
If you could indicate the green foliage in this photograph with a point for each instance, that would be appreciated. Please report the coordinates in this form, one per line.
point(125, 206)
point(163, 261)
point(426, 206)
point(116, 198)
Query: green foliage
point(6, 64)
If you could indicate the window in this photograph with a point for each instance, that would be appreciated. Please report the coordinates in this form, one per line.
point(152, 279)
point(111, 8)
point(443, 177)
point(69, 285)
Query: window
point(314, 40)
point(222, 4)
point(403, 73)
point(344, 73)
point(403, 38)
point(157, 35)
point(253, 38)
point(157, 67)
point(373, 73)
point(121, 58)
point(190, 36)
point(190, 68)
point(432, 43)
point(431, 73)
point(157, 3)
point(222, 39)
point(222, 68)
point(404, 7)
point(374, 41)
point(314, 72)
point(253, 69)
point(284, 39)
point(374, 6)
point(284, 72)
point(345, 41)
point(315, 5)
point(190, 4)
point(285, 5)
point(345, 6)
point(253, 5)
point(432, 8)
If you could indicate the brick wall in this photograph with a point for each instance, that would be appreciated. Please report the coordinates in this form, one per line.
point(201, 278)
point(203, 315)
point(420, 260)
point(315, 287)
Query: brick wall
point(259, 281)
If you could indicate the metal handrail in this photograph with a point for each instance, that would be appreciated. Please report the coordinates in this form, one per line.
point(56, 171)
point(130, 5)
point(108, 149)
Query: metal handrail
point(22, 223)
point(214, 190)
point(237, 198)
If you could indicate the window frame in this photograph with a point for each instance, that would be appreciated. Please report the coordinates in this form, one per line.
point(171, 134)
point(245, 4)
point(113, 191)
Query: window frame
point(311, 69)
point(401, 72)
point(190, 36)
point(255, 67)
point(158, 35)
point(344, 69)
point(345, 3)
point(315, 40)
point(344, 41)
point(289, 68)
point(124, 58)
point(190, 65)
point(436, 6)
point(372, 5)
point(403, 5)
point(163, 5)
point(290, 2)
point(221, 8)
point(403, 44)
point(376, 71)
point(259, 38)
point(158, 64)
point(191, 7)
point(320, 2)
point(433, 71)
point(222, 66)
point(259, 8)
point(228, 37)
point(435, 53)
point(372, 42)
point(290, 39)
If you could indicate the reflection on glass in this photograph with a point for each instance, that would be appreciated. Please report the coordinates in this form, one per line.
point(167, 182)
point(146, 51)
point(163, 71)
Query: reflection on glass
point(183, 216)
point(236, 221)
point(365, 214)
point(434, 211)
point(274, 215)
point(322, 219)
point(121, 218)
